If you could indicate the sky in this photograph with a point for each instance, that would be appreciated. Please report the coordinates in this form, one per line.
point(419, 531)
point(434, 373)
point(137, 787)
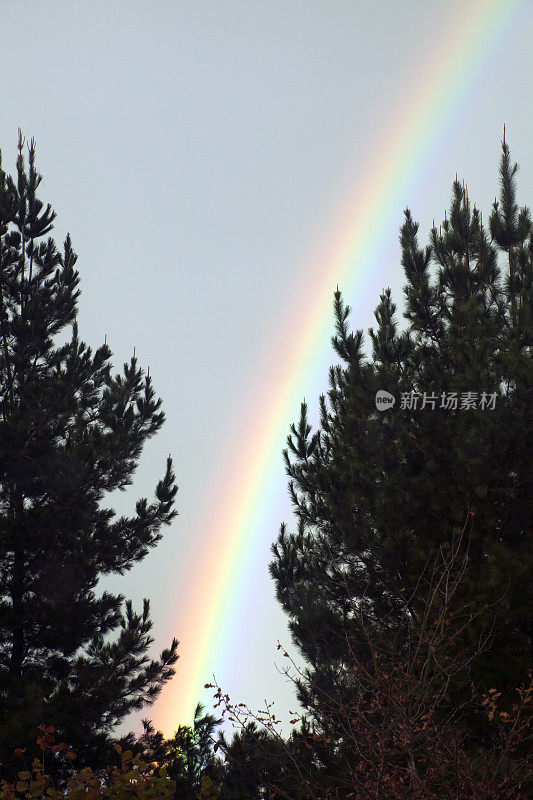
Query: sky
point(221, 166)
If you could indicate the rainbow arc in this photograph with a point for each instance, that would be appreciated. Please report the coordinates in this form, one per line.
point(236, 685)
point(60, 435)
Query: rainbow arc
point(242, 492)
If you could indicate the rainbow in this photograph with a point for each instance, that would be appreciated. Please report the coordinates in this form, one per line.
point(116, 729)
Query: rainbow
point(245, 490)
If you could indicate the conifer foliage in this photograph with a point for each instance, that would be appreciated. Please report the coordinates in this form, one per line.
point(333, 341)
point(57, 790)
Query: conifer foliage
point(70, 433)
point(378, 494)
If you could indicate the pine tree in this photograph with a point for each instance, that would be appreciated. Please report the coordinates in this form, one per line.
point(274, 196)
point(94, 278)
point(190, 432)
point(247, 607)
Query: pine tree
point(186, 757)
point(70, 433)
point(190, 756)
point(377, 493)
point(255, 761)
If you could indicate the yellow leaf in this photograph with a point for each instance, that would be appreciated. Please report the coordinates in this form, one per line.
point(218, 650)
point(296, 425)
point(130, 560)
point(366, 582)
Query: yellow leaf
point(85, 774)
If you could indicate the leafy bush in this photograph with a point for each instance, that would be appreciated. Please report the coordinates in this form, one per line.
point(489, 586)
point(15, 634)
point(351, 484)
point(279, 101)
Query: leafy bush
point(132, 780)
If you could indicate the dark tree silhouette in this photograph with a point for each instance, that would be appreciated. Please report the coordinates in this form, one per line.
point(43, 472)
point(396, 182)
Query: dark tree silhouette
point(70, 433)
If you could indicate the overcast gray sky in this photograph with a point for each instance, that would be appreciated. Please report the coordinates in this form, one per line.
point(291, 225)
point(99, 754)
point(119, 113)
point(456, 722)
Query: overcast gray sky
point(200, 154)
